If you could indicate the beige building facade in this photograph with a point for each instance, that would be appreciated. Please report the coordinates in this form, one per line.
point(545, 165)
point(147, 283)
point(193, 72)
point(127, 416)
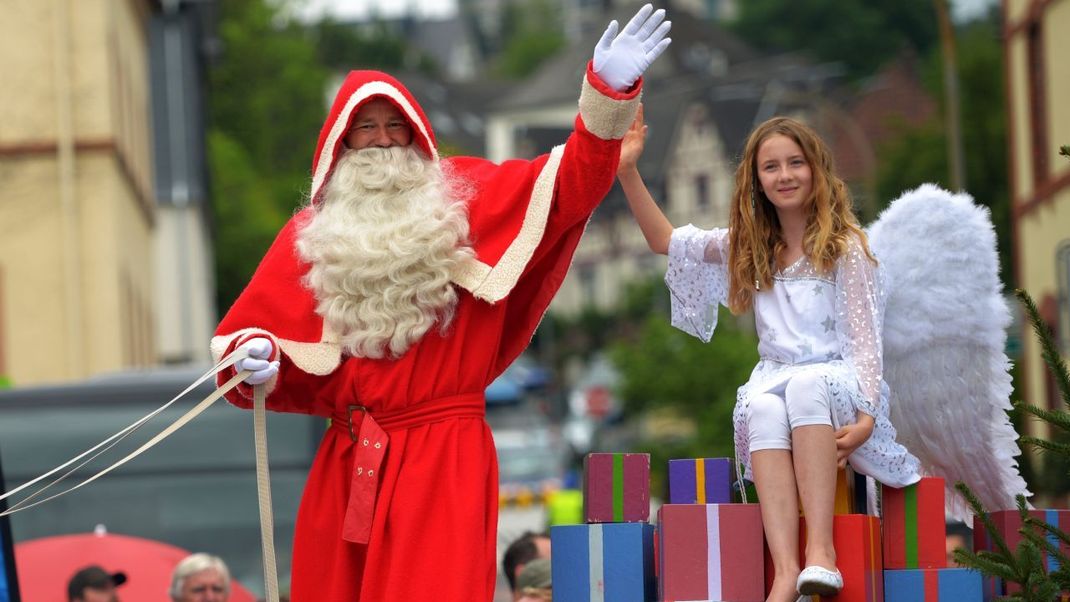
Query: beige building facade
point(77, 212)
point(1038, 93)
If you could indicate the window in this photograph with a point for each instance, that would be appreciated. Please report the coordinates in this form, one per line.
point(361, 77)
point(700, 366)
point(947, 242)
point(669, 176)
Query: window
point(1062, 280)
point(587, 276)
point(1038, 120)
point(702, 191)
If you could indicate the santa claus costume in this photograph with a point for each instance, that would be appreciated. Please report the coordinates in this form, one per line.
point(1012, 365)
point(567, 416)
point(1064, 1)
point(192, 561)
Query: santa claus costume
point(402, 499)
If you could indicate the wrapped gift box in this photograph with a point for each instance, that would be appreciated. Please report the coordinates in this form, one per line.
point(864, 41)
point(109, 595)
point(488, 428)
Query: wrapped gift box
point(857, 539)
point(932, 585)
point(914, 528)
point(603, 562)
point(710, 552)
point(616, 488)
point(700, 481)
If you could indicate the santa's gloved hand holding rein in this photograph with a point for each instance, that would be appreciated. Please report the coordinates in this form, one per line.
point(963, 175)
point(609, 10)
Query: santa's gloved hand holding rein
point(258, 361)
point(619, 60)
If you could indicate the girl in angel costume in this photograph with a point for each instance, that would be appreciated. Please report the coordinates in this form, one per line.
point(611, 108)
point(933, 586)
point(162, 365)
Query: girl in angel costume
point(820, 396)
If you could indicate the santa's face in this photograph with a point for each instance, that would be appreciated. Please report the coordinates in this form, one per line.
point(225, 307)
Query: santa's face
point(378, 123)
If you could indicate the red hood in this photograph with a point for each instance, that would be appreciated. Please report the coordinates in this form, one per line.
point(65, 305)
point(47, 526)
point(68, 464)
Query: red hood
point(358, 88)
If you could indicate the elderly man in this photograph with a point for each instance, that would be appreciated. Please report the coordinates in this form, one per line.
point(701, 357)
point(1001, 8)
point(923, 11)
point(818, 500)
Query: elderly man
point(391, 302)
point(200, 578)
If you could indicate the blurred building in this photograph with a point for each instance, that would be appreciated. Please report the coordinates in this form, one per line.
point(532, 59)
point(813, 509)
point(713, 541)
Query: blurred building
point(182, 41)
point(1038, 86)
point(103, 266)
point(701, 100)
point(77, 209)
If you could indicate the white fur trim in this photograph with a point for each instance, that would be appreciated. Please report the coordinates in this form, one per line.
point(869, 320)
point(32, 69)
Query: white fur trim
point(338, 130)
point(605, 117)
point(320, 358)
point(220, 344)
point(492, 284)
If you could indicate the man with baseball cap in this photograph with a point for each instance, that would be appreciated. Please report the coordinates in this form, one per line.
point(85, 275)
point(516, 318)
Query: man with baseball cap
point(94, 584)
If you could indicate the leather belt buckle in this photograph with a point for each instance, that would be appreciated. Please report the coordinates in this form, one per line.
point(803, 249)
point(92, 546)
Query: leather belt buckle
point(349, 417)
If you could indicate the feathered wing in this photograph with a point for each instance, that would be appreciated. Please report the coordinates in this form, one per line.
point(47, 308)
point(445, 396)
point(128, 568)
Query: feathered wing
point(944, 336)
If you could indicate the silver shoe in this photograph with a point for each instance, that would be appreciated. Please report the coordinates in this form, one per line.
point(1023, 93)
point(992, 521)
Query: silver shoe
point(816, 580)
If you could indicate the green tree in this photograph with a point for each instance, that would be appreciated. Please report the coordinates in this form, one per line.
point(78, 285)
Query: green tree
point(918, 155)
point(532, 34)
point(338, 45)
point(861, 34)
point(1024, 565)
point(342, 46)
point(665, 369)
point(266, 106)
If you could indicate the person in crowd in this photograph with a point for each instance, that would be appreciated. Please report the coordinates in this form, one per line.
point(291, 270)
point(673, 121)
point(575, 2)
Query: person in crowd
point(94, 584)
point(200, 578)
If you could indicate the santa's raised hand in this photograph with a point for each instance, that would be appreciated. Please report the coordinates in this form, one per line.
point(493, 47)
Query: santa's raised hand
point(619, 60)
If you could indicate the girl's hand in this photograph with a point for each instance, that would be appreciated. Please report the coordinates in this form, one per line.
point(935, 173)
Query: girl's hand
point(631, 146)
point(851, 437)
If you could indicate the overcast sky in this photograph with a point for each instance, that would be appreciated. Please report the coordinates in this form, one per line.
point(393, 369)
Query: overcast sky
point(363, 9)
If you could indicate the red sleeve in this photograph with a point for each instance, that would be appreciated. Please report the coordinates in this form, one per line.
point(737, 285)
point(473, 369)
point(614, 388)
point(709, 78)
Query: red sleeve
point(586, 174)
point(274, 305)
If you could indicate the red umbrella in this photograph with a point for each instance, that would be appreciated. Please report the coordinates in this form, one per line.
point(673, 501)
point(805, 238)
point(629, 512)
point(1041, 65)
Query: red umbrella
point(45, 565)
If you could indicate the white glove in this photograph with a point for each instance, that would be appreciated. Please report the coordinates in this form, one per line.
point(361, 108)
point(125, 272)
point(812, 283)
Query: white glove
point(620, 60)
point(259, 351)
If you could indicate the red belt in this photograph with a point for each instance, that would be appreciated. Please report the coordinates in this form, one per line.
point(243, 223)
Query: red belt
point(371, 442)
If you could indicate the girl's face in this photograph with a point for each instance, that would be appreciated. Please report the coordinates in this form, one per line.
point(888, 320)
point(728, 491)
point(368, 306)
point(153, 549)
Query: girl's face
point(784, 174)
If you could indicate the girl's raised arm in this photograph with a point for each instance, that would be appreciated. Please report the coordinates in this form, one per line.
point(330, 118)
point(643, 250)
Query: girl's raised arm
point(652, 221)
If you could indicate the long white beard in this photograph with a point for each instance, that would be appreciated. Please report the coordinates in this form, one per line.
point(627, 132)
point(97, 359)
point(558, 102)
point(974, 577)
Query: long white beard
point(390, 230)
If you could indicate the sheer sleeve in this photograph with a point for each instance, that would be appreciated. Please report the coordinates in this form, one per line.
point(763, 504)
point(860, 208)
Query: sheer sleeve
point(697, 278)
point(859, 321)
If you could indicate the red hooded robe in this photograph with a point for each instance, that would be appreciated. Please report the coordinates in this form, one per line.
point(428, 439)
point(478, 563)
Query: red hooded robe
point(402, 499)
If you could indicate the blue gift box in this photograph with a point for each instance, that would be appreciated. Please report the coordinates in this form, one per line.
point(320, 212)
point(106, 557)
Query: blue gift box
point(932, 585)
point(603, 562)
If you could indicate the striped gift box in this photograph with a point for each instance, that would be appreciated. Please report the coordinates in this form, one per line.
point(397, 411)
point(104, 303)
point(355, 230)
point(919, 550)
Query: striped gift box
point(603, 562)
point(914, 528)
point(932, 585)
point(710, 552)
point(616, 488)
point(857, 539)
point(700, 481)
point(1007, 524)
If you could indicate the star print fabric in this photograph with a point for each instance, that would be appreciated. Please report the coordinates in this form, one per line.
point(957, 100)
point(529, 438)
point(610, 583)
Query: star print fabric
point(807, 322)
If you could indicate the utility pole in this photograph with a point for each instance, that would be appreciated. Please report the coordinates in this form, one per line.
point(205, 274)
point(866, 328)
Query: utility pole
point(951, 97)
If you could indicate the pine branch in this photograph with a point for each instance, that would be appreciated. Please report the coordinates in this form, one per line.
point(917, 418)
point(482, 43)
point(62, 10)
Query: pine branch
point(1060, 418)
point(1045, 445)
point(1050, 352)
point(1064, 151)
point(1037, 531)
point(986, 562)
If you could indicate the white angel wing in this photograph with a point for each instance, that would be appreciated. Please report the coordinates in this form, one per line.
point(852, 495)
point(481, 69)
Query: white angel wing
point(944, 335)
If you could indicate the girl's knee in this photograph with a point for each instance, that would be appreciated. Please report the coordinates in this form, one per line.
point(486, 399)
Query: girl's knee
point(767, 423)
point(807, 400)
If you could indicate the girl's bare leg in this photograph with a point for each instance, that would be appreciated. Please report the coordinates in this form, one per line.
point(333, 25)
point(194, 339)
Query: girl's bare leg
point(774, 478)
point(814, 455)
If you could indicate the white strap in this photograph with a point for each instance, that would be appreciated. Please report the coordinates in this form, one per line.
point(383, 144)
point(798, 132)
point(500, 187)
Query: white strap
point(177, 424)
point(263, 491)
point(110, 442)
point(263, 481)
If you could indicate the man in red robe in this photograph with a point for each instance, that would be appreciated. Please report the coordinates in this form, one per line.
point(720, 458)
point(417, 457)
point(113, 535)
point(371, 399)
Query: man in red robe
point(391, 302)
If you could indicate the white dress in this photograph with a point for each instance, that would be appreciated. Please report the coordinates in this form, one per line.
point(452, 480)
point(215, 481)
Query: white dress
point(808, 322)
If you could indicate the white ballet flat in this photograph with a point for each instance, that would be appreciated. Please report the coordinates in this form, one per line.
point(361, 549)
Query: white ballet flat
point(816, 580)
